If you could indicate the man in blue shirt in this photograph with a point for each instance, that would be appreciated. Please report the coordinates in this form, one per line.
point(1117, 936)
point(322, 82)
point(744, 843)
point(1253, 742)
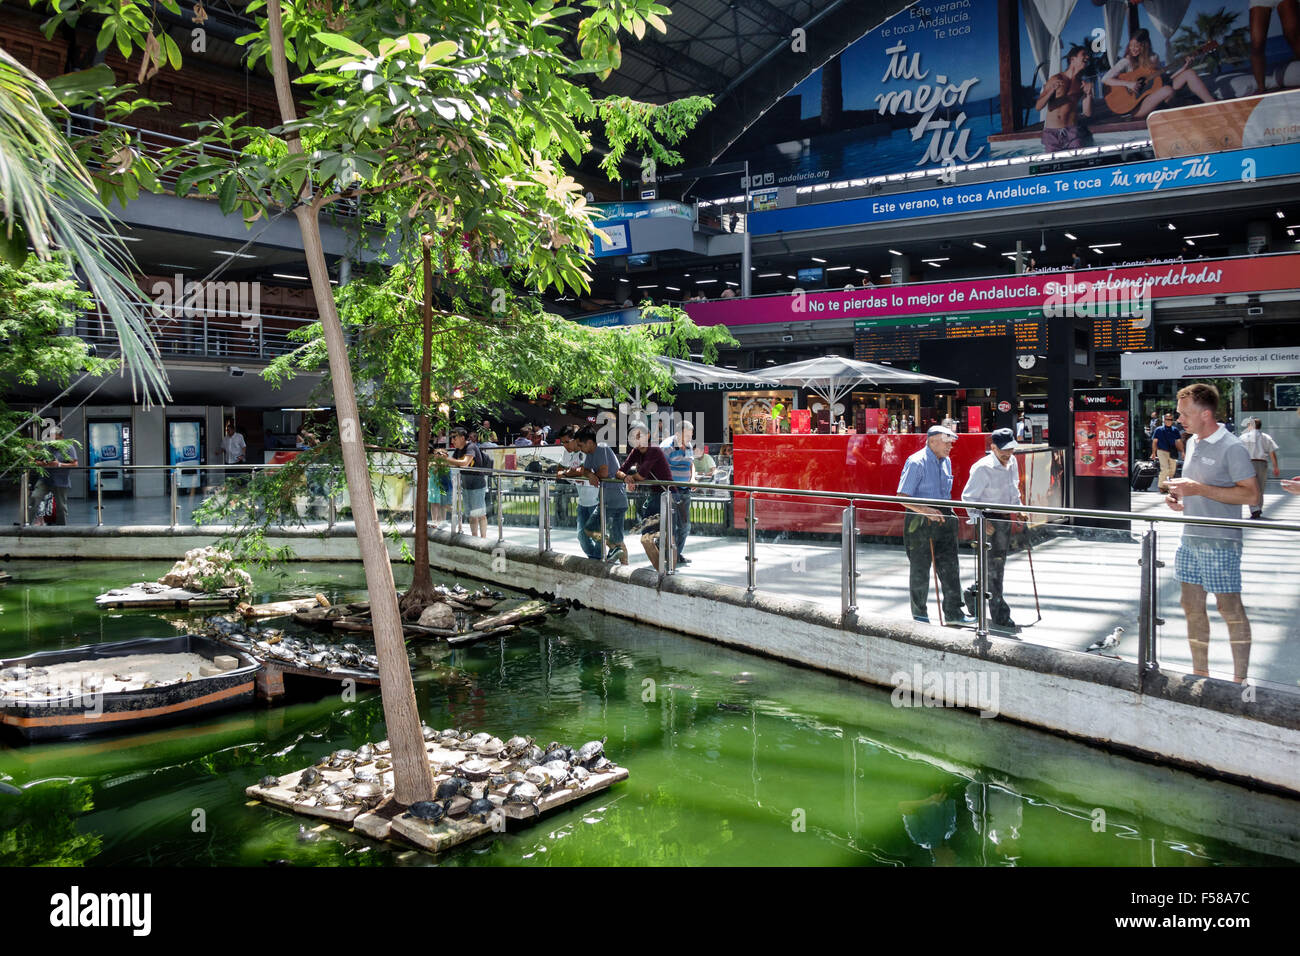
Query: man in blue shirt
point(1167, 445)
point(932, 531)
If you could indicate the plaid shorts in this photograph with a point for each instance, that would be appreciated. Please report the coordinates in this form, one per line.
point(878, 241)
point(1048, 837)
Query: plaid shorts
point(1214, 566)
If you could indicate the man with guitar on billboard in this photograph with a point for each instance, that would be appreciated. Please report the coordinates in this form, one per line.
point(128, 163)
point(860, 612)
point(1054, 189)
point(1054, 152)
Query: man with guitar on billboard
point(1138, 83)
point(1059, 103)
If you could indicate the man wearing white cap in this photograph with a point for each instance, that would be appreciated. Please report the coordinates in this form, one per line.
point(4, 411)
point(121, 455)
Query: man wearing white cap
point(930, 534)
point(995, 480)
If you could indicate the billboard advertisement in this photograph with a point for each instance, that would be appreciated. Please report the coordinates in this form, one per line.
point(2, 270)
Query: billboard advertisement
point(106, 451)
point(185, 447)
point(924, 89)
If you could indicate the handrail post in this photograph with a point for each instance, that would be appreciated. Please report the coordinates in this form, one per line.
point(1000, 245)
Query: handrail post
point(541, 514)
point(667, 546)
point(332, 512)
point(848, 599)
point(1148, 607)
point(604, 531)
point(546, 523)
point(981, 577)
point(176, 472)
point(751, 536)
point(99, 502)
point(455, 500)
point(501, 530)
point(26, 492)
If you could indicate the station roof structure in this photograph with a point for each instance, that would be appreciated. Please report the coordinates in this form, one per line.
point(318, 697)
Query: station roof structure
point(740, 53)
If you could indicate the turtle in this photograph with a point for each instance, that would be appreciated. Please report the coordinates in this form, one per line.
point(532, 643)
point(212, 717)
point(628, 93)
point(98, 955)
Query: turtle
point(383, 747)
point(307, 836)
point(481, 808)
point(540, 777)
point(341, 758)
point(581, 774)
point(534, 753)
point(555, 751)
point(524, 763)
point(525, 794)
point(365, 752)
point(368, 793)
point(451, 788)
point(516, 746)
point(309, 778)
point(475, 769)
point(491, 747)
point(428, 810)
point(497, 782)
point(428, 732)
point(448, 766)
point(515, 776)
point(477, 741)
point(269, 781)
point(602, 765)
point(589, 751)
point(557, 769)
point(449, 735)
point(330, 798)
point(365, 775)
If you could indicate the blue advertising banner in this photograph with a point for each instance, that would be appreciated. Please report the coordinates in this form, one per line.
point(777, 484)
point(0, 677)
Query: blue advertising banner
point(617, 241)
point(925, 88)
point(1244, 165)
point(605, 319)
point(919, 91)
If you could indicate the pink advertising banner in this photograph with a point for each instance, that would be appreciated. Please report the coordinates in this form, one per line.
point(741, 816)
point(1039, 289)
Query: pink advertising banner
point(1056, 293)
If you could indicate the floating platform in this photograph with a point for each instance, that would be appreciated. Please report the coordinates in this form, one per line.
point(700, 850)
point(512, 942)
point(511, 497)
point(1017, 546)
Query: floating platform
point(282, 608)
point(146, 594)
point(385, 821)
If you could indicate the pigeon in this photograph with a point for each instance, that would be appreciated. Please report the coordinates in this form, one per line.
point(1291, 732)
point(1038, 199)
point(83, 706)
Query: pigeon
point(1107, 642)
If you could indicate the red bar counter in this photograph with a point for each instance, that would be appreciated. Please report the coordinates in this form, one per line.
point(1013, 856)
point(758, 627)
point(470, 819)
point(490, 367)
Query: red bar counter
point(865, 464)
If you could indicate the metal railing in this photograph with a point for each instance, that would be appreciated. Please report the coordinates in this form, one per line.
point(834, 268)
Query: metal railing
point(1076, 570)
point(203, 333)
point(170, 150)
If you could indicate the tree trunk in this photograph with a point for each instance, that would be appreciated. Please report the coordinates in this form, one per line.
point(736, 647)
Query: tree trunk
point(412, 775)
point(420, 592)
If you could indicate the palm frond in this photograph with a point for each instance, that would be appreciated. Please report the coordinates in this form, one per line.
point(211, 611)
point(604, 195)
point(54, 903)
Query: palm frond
point(46, 191)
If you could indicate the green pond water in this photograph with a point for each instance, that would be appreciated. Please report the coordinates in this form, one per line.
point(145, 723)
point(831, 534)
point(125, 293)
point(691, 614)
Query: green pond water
point(734, 760)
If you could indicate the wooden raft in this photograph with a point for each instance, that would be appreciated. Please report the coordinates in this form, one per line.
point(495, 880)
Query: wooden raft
point(282, 608)
point(136, 596)
point(386, 822)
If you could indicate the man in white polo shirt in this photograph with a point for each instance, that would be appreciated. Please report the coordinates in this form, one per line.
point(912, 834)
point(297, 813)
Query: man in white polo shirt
point(1218, 479)
point(1261, 447)
point(995, 480)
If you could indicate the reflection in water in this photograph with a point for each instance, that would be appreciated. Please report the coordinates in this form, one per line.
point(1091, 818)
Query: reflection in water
point(735, 760)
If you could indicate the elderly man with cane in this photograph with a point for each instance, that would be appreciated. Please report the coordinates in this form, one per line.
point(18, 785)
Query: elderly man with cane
point(930, 534)
point(995, 480)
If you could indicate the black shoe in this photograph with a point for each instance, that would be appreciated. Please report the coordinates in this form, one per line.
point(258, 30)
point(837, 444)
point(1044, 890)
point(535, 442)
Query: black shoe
point(1256, 515)
point(682, 560)
point(1008, 626)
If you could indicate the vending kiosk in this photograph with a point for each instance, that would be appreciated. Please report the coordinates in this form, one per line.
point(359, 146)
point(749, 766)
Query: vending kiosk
point(108, 452)
point(185, 446)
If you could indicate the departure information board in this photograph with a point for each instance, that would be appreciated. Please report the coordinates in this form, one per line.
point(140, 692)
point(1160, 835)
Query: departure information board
point(897, 340)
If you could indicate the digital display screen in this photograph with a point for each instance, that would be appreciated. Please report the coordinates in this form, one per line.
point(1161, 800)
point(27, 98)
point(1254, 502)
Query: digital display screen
point(811, 275)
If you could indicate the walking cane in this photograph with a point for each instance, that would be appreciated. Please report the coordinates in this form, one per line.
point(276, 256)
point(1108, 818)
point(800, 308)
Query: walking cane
point(1029, 549)
point(934, 566)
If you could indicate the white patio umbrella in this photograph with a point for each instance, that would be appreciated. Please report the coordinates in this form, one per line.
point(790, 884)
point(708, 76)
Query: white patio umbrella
point(694, 373)
point(832, 376)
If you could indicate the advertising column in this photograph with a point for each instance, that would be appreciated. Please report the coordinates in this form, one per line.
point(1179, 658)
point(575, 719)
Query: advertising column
point(1102, 442)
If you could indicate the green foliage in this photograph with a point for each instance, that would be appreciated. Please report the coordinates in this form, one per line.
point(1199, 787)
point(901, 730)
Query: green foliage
point(38, 300)
point(1218, 27)
point(648, 127)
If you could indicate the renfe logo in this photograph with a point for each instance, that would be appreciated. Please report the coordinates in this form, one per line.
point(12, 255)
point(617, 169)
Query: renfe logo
point(73, 909)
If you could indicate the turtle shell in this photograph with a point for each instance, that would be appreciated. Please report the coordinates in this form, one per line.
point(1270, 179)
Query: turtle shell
point(429, 810)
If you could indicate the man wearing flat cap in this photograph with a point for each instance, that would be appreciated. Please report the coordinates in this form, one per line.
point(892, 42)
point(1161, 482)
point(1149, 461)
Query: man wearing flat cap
point(931, 533)
point(995, 480)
